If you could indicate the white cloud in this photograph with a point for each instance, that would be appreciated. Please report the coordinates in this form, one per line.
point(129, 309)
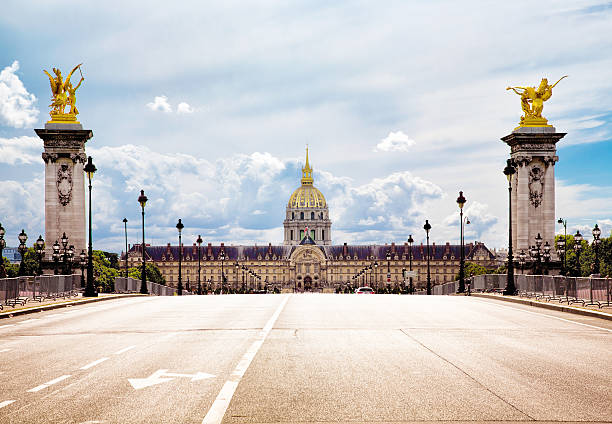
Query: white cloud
point(184, 108)
point(395, 142)
point(160, 103)
point(16, 104)
point(23, 149)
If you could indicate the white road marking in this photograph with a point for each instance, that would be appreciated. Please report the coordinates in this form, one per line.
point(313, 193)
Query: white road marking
point(6, 403)
point(161, 376)
point(219, 407)
point(94, 363)
point(551, 316)
point(7, 325)
point(4, 350)
point(125, 349)
point(48, 383)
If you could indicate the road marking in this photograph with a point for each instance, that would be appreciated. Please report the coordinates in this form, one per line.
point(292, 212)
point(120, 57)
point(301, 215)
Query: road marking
point(550, 316)
point(4, 350)
point(7, 325)
point(125, 349)
point(48, 383)
point(6, 403)
point(94, 363)
point(219, 407)
point(28, 320)
point(158, 377)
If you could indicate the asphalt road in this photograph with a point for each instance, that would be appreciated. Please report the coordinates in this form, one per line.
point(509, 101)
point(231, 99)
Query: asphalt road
point(304, 358)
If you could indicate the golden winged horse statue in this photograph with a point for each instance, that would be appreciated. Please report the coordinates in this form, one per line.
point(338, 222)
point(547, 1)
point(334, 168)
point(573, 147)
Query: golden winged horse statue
point(63, 94)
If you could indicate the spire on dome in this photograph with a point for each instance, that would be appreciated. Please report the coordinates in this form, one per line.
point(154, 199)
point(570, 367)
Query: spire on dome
point(307, 172)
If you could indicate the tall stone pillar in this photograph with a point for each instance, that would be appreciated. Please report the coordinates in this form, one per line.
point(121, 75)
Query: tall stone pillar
point(533, 149)
point(64, 156)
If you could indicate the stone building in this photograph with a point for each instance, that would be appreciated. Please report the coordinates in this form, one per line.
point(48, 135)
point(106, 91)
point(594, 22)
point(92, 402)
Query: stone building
point(308, 260)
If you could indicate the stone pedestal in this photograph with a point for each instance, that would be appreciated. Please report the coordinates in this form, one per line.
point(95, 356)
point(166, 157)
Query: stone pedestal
point(64, 156)
point(533, 149)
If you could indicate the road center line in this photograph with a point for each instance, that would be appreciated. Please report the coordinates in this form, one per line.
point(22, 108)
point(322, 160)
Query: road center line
point(549, 316)
point(48, 383)
point(6, 403)
point(125, 349)
point(219, 407)
point(94, 363)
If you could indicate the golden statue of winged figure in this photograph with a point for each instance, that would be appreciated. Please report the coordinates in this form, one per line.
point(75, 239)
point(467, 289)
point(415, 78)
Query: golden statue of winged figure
point(63, 94)
point(532, 103)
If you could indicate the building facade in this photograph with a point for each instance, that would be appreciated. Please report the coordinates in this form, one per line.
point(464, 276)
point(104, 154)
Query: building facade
point(307, 260)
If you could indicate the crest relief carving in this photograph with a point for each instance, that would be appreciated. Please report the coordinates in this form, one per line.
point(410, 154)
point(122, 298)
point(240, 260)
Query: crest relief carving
point(536, 185)
point(64, 184)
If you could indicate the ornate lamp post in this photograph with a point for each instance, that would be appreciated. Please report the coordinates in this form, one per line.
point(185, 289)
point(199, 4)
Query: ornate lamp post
point(179, 287)
point(577, 247)
point(562, 245)
point(22, 249)
point(83, 257)
point(376, 274)
point(536, 254)
point(461, 201)
point(142, 199)
point(509, 171)
point(40, 251)
point(236, 268)
point(56, 255)
point(125, 221)
point(222, 258)
point(2, 246)
point(546, 256)
point(427, 227)
point(64, 256)
point(410, 241)
point(90, 290)
point(69, 259)
point(199, 241)
point(596, 241)
point(522, 256)
point(388, 257)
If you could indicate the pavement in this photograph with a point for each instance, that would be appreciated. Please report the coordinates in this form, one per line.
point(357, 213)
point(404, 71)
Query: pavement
point(305, 358)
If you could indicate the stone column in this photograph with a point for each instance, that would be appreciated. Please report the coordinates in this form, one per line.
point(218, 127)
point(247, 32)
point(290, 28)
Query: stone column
point(534, 151)
point(65, 197)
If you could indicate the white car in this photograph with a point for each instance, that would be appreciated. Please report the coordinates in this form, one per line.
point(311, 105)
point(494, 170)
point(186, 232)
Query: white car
point(364, 290)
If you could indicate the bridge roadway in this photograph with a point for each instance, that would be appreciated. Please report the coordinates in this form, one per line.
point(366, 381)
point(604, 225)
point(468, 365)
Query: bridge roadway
point(304, 358)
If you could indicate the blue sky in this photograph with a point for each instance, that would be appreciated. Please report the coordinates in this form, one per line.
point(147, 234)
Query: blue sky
point(208, 107)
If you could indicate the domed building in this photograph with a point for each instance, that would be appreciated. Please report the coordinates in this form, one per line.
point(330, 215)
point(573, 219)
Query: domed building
point(307, 211)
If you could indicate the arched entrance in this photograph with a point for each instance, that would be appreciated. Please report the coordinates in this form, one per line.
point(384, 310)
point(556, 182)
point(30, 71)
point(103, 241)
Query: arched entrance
point(307, 283)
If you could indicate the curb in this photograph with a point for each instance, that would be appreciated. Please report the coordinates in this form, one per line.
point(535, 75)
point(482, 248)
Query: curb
point(551, 306)
point(51, 306)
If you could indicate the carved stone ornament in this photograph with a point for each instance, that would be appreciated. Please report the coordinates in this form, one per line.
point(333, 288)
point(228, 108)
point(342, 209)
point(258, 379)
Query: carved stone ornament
point(49, 157)
point(534, 147)
point(78, 157)
point(64, 184)
point(536, 183)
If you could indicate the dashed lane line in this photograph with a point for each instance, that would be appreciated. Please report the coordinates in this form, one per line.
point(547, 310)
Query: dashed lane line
point(49, 383)
point(7, 325)
point(94, 363)
point(219, 407)
point(4, 350)
point(125, 349)
point(6, 403)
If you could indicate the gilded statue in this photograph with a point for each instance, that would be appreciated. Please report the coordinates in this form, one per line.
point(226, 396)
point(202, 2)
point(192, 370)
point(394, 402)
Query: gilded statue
point(63, 94)
point(532, 102)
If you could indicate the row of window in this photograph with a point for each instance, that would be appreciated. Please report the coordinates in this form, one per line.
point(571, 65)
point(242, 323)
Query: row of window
point(303, 216)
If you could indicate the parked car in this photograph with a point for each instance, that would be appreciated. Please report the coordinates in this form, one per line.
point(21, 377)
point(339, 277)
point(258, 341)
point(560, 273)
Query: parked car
point(364, 290)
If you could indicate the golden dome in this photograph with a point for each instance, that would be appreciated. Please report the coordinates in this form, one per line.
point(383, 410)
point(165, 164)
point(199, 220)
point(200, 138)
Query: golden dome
point(307, 196)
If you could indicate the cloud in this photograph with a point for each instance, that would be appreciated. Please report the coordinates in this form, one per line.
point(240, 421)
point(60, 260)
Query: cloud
point(16, 104)
point(395, 142)
point(184, 108)
point(160, 103)
point(25, 150)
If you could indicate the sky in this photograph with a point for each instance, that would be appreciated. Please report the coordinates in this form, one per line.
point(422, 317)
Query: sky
point(209, 106)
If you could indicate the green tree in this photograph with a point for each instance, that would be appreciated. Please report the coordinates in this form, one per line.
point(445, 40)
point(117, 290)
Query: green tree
point(104, 273)
point(474, 269)
point(12, 270)
point(30, 264)
point(153, 273)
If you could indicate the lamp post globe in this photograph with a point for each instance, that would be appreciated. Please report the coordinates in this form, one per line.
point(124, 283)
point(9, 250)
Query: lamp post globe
point(461, 202)
point(142, 199)
point(427, 228)
point(179, 287)
point(56, 254)
point(22, 249)
point(90, 290)
point(509, 171)
point(40, 251)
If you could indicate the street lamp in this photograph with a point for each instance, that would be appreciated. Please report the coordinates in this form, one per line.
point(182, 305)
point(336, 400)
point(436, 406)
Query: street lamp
point(22, 249)
point(388, 257)
point(596, 241)
point(2, 246)
point(509, 171)
point(83, 257)
point(125, 221)
point(69, 259)
point(410, 241)
point(236, 268)
point(577, 247)
point(56, 255)
point(222, 258)
point(90, 290)
point(142, 199)
point(40, 251)
point(461, 201)
point(522, 256)
point(562, 245)
point(427, 227)
point(546, 256)
point(199, 241)
point(179, 287)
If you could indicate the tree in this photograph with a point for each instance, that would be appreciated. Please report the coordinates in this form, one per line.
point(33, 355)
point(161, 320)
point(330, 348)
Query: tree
point(153, 273)
point(471, 269)
point(104, 274)
point(30, 264)
point(12, 270)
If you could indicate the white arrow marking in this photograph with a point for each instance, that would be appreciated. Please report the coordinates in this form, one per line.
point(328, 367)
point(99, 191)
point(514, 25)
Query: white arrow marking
point(161, 376)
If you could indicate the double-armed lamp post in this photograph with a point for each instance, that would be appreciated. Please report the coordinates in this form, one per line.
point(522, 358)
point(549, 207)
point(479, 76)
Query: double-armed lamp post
point(461, 202)
point(427, 227)
point(142, 199)
point(179, 287)
point(509, 171)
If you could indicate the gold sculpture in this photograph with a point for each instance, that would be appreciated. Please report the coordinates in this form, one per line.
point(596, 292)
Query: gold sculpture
point(64, 94)
point(532, 103)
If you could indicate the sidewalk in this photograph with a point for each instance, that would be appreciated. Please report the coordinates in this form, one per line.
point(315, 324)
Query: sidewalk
point(34, 306)
point(555, 306)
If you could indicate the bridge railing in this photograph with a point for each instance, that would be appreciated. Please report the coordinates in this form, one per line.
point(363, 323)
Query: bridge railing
point(132, 285)
point(19, 290)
